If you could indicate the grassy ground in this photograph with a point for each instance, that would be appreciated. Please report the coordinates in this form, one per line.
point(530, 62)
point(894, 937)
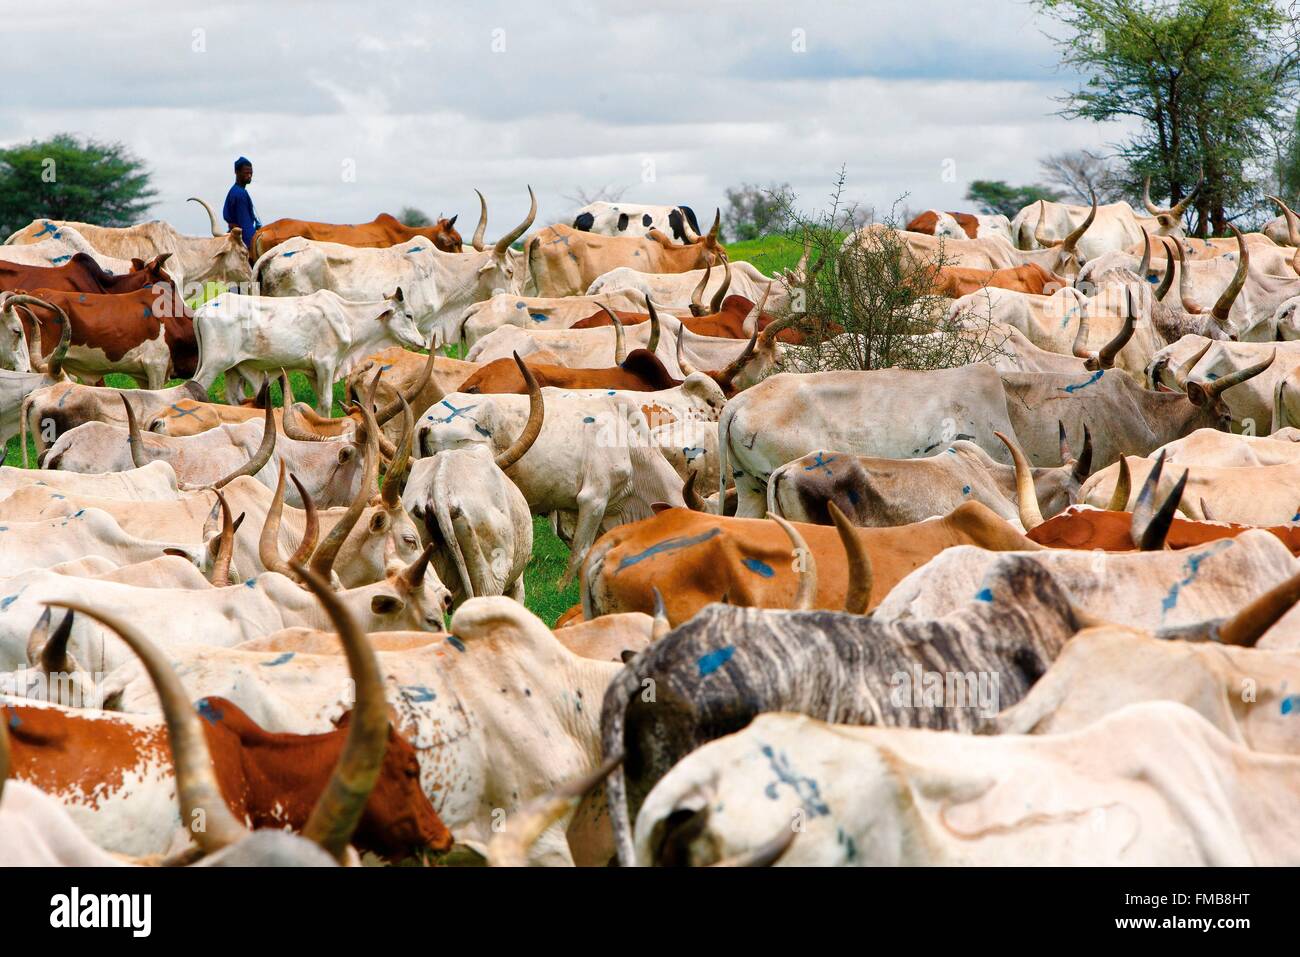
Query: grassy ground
point(550, 555)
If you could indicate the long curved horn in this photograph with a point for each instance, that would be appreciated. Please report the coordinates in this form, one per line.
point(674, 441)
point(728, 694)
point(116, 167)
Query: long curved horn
point(134, 440)
point(509, 846)
point(481, 229)
point(1144, 510)
point(1083, 465)
point(263, 453)
point(1038, 227)
point(54, 364)
point(1184, 372)
point(49, 652)
point(1179, 208)
point(653, 343)
point(268, 544)
point(1123, 488)
point(715, 304)
point(806, 595)
point(1063, 444)
point(1219, 386)
point(1144, 265)
point(412, 392)
point(1153, 535)
point(505, 242)
point(692, 497)
point(532, 428)
point(311, 527)
point(1184, 283)
point(338, 810)
point(1070, 241)
point(289, 417)
point(716, 227)
point(697, 295)
point(220, 576)
point(1107, 354)
point(661, 625)
point(620, 337)
point(1031, 515)
point(1247, 626)
point(857, 598)
point(1229, 295)
point(196, 781)
point(392, 492)
point(212, 217)
point(1080, 347)
point(1152, 208)
point(1168, 279)
point(322, 559)
point(686, 367)
point(1292, 221)
point(732, 368)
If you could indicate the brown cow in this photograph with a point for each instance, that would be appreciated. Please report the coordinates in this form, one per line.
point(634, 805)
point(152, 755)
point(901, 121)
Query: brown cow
point(926, 221)
point(1082, 527)
point(564, 261)
point(115, 324)
point(695, 558)
point(382, 231)
point(82, 274)
point(957, 281)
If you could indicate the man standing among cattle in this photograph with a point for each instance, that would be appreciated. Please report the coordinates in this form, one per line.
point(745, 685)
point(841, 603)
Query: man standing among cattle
point(238, 211)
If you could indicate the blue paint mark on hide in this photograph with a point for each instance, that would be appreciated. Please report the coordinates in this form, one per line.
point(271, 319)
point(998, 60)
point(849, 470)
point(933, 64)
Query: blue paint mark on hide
point(454, 411)
point(520, 305)
point(1192, 568)
point(60, 259)
point(714, 660)
point(820, 462)
point(46, 227)
point(588, 419)
point(417, 693)
point(181, 413)
point(965, 490)
point(537, 317)
point(984, 594)
point(251, 583)
point(692, 452)
point(1083, 385)
point(487, 433)
point(668, 545)
point(292, 252)
point(1291, 704)
point(758, 567)
point(456, 643)
point(209, 713)
point(282, 659)
point(806, 788)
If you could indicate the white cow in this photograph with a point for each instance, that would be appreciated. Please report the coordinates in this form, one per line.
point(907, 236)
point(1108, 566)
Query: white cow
point(637, 219)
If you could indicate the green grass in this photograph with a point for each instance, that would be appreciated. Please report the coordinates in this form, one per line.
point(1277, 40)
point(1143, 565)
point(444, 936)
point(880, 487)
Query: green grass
point(550, 555)
point(769, 253)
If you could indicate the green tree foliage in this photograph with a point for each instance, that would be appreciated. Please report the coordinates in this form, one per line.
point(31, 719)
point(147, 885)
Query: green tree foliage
point(68, 178)
point(995, 196)
point(753, 211)
point(410, 216)
point(1288, 171)
point(1208, 82)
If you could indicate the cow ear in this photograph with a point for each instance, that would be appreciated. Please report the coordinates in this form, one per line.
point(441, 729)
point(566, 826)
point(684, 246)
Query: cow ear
point(386, 604)
point(236, 234)
point(379, 523)
point(137, 265)
point(627, 654)
point(347, 454)
point(658, 507)
point(1195, 394)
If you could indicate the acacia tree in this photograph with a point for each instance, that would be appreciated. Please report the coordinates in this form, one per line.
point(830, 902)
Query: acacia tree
point(1208, 80)
point(67, 178)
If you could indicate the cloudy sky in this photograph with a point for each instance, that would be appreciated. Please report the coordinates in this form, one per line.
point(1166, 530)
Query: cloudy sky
point(348, 109)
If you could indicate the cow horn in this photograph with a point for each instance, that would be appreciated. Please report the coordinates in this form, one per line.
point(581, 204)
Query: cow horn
point(411, 577)
point(1150, 525)
point(857, 598)
point(532, 428)
point(732, 368)
point(268, 545)
point(620, 337)
point(1205, 510)
point(1107, 354)
point(338, 810)
point(1026, 496)
point(289, 416)
point(765, 855)
point(392, 491)
point(220, 576)
point(1153, 536)
point(54, 364)
point(1168, 279)
point(1152, 208)
point(509, 847)
point(686, 367)
point(715, 228)
point(1144, 265)
point(715, 304)
point(50, 652)
point(692, 497)
point(1229, 296)
point(697, 295)
point(1185, 370)
point(1063, 444)
point(1292, 221)
point(212, 217)
point(1247, 626)
point(1083, 467)
point(505, 242)
point(1038, 226)
point(653, 343)
point(263, 453)
point(481, 228)
point(322, 558)
point(134, 440)
point(311, 528)
point(661, 623)
point(1219, 386)
point(1080, 347)
point(383, 416)
point(1070, 241)
point(1178, 209)
point(806, 595)
point(1184, 283)
point(1123, 488)
point(196, 782)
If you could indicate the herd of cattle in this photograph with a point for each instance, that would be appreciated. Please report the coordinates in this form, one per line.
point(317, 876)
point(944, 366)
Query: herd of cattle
point(1036, 609)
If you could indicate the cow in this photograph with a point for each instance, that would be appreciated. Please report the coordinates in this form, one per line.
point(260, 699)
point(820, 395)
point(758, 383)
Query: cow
point(49, 412)
point(678, 292)
point(153, 483)
point(439, 286)
point(1116, 226)
point(89, 531)
point(588, 454)
point(384, 230)
point(194, 259)
point(61, 246)
point(222, 764)
point(81, 273)
point(321, 334)
point(932, 222)
point(563, 261)
point(957, 281)
point(1143, 786)
point(147, 334)
point(634, 219)
point(695, 558)
point(537, 312)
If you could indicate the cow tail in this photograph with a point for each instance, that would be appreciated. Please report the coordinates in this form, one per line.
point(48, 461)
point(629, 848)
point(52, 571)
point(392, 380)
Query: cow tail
point(774, 503)
point(724, 465)
point(613, 721)
point(443, 515)
point(26, 411)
